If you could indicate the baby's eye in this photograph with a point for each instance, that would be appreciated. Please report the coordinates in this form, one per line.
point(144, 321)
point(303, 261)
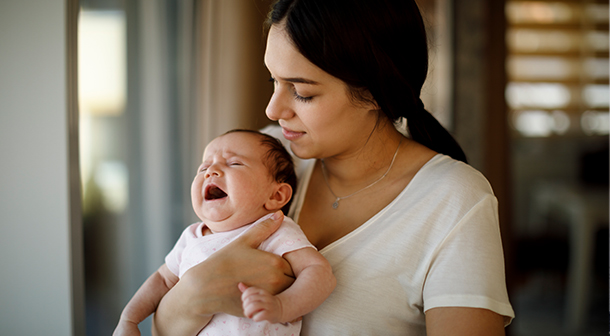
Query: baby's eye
point(202, 169)
point(236, 163)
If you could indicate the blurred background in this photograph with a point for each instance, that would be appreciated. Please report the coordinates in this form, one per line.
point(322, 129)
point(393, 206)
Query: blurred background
point(523, 86)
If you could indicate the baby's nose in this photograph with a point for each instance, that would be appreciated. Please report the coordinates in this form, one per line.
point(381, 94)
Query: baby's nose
point(213, 170)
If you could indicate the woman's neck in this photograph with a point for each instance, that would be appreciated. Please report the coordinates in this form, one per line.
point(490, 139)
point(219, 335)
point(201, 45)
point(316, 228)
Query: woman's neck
point(347, 173)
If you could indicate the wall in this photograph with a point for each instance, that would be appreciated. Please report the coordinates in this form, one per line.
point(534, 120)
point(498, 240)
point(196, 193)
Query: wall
point(233, 82)
point(35, 230)
point(480, 122)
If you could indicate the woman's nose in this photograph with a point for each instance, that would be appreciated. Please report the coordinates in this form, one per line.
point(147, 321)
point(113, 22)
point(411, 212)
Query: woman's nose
point(277, 108)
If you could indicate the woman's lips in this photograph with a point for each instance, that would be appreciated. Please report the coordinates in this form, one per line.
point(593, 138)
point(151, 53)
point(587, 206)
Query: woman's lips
point(291, 135)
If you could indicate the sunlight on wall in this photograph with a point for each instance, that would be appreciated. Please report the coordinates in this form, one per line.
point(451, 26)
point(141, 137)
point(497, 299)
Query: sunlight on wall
point(102, 94)
point(537, 123)
point(595, 123)
point(102, 62)
point(544, 95)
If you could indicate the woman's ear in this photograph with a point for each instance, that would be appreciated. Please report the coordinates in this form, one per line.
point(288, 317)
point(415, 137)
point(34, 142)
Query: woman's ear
point(367, 100)
point(281, 195)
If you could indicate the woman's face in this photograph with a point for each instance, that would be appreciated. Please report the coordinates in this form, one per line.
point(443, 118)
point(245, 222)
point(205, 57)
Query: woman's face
point(312, 107)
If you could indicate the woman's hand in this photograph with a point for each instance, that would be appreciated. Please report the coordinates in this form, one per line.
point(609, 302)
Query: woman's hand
point(212, 286)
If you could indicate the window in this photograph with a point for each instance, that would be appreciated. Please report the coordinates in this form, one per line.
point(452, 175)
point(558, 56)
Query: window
point(557, 95)
point(557, 66)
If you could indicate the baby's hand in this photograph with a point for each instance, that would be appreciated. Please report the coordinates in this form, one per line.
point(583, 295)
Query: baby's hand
point(260, 305)
point(126, 328)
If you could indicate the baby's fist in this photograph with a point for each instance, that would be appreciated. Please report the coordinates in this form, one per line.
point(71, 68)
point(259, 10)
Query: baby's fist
point(260, 305)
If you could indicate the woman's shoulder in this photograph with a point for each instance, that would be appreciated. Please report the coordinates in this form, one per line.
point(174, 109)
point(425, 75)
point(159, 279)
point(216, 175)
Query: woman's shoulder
point(443, 192)
point(443, 173)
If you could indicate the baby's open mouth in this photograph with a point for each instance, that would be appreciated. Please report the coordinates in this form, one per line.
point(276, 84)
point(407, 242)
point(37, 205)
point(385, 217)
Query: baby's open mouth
point(212, 192)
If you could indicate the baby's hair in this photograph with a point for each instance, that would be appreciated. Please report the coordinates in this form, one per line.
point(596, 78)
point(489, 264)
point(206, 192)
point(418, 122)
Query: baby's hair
point(277, 160)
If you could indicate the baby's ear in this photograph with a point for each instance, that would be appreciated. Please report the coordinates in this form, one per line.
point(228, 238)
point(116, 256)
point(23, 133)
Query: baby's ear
point(281, 195)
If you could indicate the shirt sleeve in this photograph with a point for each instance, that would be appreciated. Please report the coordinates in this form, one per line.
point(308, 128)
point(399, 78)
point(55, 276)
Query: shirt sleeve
point(289, 237)
point(467, 269)
point(174, 257)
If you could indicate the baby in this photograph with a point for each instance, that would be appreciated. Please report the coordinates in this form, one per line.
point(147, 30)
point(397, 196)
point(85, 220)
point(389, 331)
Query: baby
point(245, 177)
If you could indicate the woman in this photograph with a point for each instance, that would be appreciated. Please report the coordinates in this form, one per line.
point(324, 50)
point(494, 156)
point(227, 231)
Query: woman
point(410, 230)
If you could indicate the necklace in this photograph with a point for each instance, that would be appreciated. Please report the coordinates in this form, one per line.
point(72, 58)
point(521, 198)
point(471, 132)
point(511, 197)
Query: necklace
point(337, 198)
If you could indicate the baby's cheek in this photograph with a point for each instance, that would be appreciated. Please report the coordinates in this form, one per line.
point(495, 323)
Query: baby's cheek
point(197, 188)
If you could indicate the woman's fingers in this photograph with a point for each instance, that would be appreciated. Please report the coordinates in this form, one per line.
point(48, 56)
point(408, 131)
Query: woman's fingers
point(212, 286)
point(261, 231)
point(252, 239)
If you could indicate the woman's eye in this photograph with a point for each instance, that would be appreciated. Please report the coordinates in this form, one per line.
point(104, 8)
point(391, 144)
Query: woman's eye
point(300, 98)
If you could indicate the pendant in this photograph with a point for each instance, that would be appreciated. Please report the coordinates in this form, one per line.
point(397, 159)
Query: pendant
point(336, 204)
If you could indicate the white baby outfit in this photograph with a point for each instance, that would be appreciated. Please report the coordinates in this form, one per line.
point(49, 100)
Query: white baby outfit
point(193, 247)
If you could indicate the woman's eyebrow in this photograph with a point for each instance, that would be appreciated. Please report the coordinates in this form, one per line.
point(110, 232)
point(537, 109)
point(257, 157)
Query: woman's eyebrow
point(300, 80)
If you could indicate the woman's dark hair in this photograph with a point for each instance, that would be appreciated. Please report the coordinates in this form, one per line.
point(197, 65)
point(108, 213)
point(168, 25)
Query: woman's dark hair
point(277, 160)
point(378, 48)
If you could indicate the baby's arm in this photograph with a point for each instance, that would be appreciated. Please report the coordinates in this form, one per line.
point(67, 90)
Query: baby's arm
point(314, 283)
point(145, 301)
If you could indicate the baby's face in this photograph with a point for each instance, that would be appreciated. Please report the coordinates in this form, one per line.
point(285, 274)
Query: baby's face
point(232, 184)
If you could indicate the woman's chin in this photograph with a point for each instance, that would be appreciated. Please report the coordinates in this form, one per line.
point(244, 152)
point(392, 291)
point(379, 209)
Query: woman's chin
point(300, 152)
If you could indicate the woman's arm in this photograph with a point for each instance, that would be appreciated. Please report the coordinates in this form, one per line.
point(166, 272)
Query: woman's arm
point(458, 321)
point(211, 287)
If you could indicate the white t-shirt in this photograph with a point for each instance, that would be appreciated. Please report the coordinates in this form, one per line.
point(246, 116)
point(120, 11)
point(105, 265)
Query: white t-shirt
point(436, 245)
